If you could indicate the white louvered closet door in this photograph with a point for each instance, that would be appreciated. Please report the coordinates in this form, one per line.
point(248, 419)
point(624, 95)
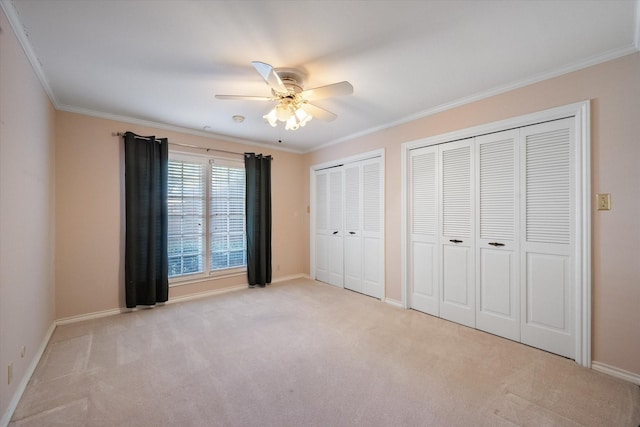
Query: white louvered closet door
point(349, 224)
point(497, 279)
point(353, 227)
point(457, 300)
point(321, 210)
point(336, 234)
point(423, 230)
point(548, 215)
point(372, 227)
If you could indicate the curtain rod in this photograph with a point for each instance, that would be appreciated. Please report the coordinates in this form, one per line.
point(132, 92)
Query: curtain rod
point(189, 145)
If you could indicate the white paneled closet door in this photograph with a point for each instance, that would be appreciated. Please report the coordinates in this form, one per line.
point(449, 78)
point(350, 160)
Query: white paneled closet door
point(321, 209)
point(423, 230)
point(547, 187)
point(372, 227)
point(497, 245)
point(353, 227)
point(335, 245)
point(458, 300)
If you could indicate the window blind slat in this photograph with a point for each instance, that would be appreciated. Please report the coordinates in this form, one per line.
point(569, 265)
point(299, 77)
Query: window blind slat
point(186, 205)
point(227, 223)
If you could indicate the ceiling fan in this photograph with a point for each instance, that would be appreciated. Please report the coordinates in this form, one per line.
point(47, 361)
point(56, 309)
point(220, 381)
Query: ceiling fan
point(293, 106)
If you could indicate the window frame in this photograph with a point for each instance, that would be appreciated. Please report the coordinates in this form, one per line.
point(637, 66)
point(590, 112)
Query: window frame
point(207, 274)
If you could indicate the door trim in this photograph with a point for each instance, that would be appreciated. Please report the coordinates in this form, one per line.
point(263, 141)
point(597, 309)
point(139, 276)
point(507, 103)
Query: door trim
point(582, 298)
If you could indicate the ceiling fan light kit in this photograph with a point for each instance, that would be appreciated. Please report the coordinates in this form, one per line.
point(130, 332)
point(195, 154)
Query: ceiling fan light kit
point(290, 112)
point(293, 107)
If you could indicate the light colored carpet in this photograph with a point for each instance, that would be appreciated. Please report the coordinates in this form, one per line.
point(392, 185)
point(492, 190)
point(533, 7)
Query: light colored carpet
point(302, 353)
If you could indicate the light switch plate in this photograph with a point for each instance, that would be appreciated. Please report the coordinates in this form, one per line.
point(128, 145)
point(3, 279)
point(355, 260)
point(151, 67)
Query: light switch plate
point(603, 201)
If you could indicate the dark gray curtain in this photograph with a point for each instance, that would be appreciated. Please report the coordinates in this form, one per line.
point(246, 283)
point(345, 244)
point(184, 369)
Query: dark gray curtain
point(258, 218)
point(146, 169)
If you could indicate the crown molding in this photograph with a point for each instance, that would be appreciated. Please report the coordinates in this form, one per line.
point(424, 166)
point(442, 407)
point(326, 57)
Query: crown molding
point(173, 128)
point(23, 38)
point(594, 60)
point(637, 25)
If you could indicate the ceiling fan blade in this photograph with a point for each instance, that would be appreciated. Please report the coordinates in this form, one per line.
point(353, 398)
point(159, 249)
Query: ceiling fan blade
point(335, 89)
point(318, 112)
point(270, 76)
point(246, 98)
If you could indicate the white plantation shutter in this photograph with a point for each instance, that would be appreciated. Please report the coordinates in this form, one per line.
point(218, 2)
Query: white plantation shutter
point(548, 187)
point(456, 191)
point(186, 208)
point(227, 217)
point(497, 198)
point(424, 212)
point(371, 196)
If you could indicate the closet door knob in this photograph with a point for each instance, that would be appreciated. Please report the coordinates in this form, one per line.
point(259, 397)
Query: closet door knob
point(335, 232)
point(496, 244)
point(352, 232)
point(455, 241)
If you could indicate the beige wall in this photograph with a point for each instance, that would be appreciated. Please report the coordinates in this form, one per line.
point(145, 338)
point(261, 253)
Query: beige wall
point(614, 91)
point(90, 216)
point(26, 214)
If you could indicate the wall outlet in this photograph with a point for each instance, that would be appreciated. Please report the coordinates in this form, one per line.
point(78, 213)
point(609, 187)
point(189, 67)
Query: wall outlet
point(603, 201)
point(10, 373)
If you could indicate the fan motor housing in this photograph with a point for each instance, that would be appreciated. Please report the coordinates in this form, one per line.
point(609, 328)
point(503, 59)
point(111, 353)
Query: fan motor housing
point(292, 78)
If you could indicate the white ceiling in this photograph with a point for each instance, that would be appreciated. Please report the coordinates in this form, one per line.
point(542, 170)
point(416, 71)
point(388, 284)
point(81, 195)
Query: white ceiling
point(162, 62)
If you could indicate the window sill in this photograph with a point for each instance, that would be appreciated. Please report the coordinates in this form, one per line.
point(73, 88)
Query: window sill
point(205, 278)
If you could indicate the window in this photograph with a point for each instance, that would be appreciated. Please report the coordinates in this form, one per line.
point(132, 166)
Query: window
point(206, 234)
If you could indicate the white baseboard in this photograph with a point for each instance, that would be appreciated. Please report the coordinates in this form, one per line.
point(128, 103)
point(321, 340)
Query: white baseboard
point(291, 277)
point(204, 294)
point(393, 302)
point(229, 289)
point(616, 372)
point(4, 422)
point(89, 316)
point(112, 311)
